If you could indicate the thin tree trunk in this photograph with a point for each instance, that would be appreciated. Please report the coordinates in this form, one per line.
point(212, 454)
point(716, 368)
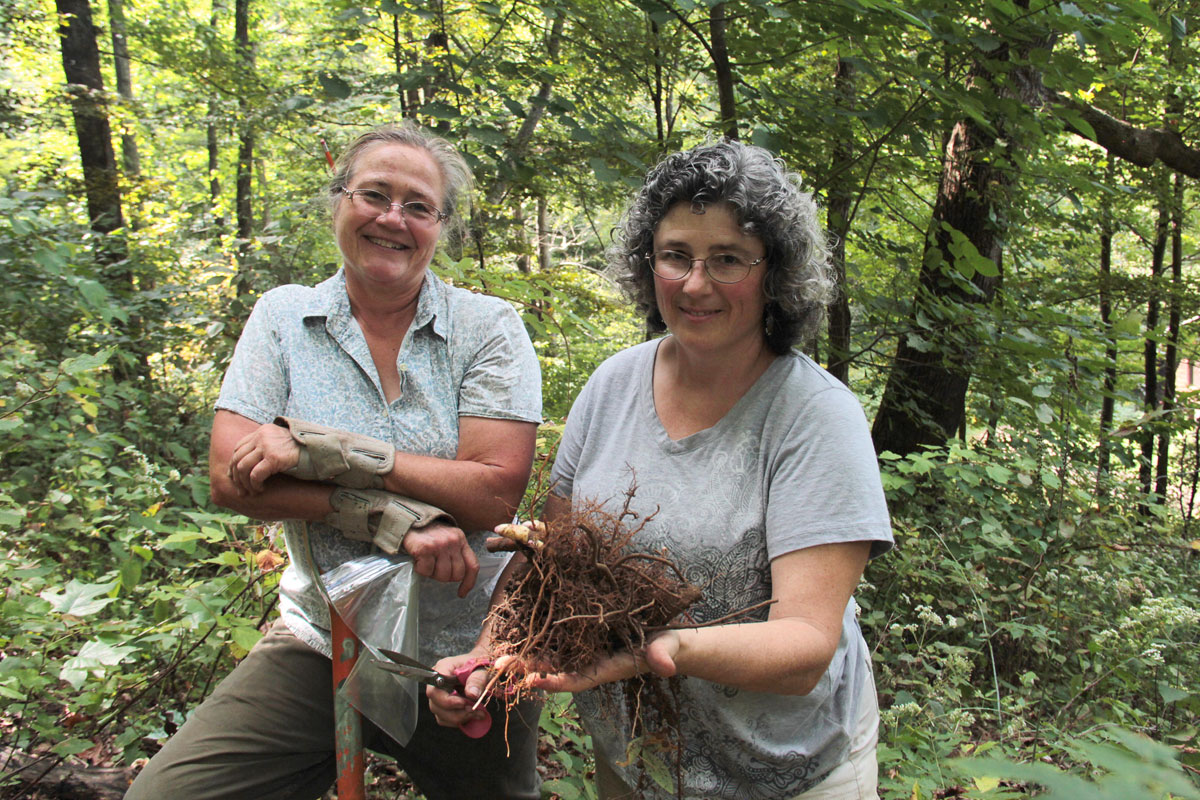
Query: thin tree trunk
point(81, 65)
point(838, 215)
point(523, 260)
point(245, 160)
point(1174, 320)
point(537, 109)
point(660, 128)
point(116, 21)
point(1175, 108)
point(1108, 401)
point(723, 70)
point(211, 136)
point(543, 235)
point(1150, 350)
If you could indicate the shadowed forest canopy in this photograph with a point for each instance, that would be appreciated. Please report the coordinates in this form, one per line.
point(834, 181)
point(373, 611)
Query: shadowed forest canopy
point(1011, 188)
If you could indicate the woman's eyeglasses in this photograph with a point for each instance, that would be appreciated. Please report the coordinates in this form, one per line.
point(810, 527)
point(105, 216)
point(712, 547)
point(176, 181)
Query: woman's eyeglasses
point(378, 203)
point(721, 267)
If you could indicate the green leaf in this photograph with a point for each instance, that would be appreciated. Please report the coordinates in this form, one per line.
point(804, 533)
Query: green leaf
point(95, 655)
point(1044, 413)
point(333, 86)
point(86, 363)
point(604, 173)
point(1170, 694)
point(439, 110)
point(245, 637)
point(131, 572)
point(998, 473)
point(1178, 27)
point(72, 746)
point(79, 599)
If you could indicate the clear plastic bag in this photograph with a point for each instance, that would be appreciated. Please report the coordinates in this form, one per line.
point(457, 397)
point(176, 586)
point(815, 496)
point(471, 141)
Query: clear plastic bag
point(377, 595)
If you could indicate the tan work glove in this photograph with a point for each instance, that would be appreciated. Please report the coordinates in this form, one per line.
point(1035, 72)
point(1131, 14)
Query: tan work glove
point(347, 459)
point(382, 518)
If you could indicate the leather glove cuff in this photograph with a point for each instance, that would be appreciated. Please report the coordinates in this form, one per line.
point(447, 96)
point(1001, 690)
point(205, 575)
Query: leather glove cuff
point(382, 518)
point(347, 459)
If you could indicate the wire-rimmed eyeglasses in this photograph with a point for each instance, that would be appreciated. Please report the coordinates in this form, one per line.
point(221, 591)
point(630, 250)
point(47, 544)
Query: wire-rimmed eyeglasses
point(673, 265)
point(415, 212)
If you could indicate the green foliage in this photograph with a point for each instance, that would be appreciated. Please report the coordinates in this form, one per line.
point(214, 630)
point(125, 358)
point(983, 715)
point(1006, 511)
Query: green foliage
point(1118, 765)
point(1038, 594)
point(572, 750)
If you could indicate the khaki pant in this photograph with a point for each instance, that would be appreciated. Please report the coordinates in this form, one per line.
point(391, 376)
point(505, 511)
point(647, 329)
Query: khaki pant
point(266, 733)
point(856, 778)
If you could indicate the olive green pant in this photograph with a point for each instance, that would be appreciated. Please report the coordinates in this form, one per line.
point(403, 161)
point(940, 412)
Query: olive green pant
point(266, 733)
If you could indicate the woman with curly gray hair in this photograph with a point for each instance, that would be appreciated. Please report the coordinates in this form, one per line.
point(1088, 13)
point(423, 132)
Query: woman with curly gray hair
point(768, 203)
point(754, 472)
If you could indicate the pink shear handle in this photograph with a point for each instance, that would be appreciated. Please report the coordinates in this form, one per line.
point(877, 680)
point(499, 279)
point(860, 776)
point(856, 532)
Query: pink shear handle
point(475, 728)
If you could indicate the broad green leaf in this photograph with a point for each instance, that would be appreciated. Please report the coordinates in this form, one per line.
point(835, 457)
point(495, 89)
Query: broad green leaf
point(334, 86)
point(1170, 694)
point(245, 637)
point(79, 599)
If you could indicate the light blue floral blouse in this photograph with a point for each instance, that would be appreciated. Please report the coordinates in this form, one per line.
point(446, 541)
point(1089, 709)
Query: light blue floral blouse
point(303, 355)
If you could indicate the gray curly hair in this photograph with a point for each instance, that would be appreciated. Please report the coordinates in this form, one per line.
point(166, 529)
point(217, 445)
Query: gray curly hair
point(457, 179)
point(768, 203)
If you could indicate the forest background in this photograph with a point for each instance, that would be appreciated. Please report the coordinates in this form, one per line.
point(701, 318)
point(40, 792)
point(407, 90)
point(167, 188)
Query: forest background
point(1011, 185)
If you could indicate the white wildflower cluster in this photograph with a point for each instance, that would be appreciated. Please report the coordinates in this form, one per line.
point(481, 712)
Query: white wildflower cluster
point(900, 630)
point(956, 667)
point(151, 474)
point(1105, 636)
point(1153, 654)
point(1160, 613)
point(929, 616)
point(899, 713)
point(960, 718)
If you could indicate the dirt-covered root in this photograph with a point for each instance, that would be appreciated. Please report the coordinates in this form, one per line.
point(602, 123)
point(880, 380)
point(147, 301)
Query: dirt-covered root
point(586, 591)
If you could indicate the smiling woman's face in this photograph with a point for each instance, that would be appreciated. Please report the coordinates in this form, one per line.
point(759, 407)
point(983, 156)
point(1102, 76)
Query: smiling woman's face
point(704, 316)
point(383, 251)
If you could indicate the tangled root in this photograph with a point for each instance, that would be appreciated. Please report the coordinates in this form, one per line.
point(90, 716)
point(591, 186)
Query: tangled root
point(586, 591)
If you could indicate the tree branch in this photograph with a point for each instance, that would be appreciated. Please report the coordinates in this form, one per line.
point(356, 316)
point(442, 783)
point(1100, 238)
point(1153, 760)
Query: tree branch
point(1140, 146)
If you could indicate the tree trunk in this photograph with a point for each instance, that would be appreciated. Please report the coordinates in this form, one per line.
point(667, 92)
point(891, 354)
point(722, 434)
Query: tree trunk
point(1150, 349)
point(211, 138)
point(723, 70)
point(116, 20)
point(924, 401)
point(523, 260)
point(245, 160)
point(1174, 321)
point(543, 235)
point(537, 109)
point(1108, 401)
point(656, 91)
point(53, 777)
point(81, 65)
point(838, 215)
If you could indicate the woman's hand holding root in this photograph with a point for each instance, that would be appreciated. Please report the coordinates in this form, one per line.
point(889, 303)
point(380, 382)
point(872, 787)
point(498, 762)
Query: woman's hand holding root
point(658, 656)
point(463, 706)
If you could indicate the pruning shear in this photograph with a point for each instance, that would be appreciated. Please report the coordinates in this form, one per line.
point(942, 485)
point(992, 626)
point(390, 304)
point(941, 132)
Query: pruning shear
point(411, 668)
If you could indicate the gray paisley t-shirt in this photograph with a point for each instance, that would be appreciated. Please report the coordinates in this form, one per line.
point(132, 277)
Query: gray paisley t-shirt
point(790, 466)
point(303, 355)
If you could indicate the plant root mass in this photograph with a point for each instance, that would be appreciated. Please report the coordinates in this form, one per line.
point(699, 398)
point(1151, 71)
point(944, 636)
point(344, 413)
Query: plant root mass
point(586, 591)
